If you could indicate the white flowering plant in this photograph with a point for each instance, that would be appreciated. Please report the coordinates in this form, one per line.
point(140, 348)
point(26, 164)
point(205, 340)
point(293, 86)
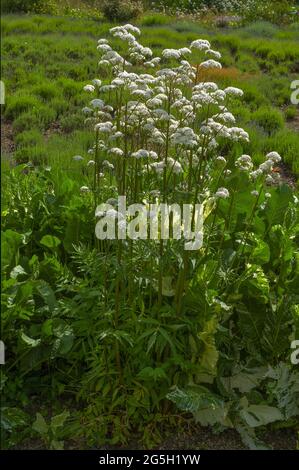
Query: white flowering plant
point(133, 327)
point(165, 134)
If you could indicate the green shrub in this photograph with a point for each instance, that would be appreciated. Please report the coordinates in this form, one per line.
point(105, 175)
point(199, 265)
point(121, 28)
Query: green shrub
point(121, 10)
point(273, 11)
point(25, 121)
point(290, 113)
point(35, 155)
point(155, 19)
point(286, 142)
point(30, 138)
point(189, 27)
point(13, 6)
point(20, 103)
point(69, 87)
point(269, 119)
point(72, 122)
point(48, 7)
point(46, 91)
point(252, 96)
point(276, 90)
point(46, 114)
point(247, 63)
point(260, 28)
point(60, 106)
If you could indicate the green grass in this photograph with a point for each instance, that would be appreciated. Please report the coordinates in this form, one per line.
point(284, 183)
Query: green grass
point(47, 60)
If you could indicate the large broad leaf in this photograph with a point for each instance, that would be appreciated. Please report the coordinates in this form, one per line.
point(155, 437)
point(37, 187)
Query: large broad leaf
point(12, 418)
point(246, 380)
point(72, 231)
point(59, 420)
point(261, 253)
point(24, 292)
point(278, 204)
point(40, 424)
point(260, 415)
point(281, 245)
point(249, 438)
point(251, 323)
point(47, 293)
point(285, 388)
point(64, 338)
point(209, 357)
point(206, 407)
point(258, 284)
point(10, 243)
point(49, 241)
point(57, 445)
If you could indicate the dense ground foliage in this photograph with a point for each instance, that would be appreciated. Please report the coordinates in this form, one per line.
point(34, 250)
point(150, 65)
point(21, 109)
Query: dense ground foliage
point(106, 339)
point(223, 12)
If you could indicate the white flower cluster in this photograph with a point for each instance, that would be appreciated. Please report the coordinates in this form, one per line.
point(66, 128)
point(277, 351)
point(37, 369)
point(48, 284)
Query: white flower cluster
point(165, 119)
point(222, 193)
point(244, 163)
point(266, 168)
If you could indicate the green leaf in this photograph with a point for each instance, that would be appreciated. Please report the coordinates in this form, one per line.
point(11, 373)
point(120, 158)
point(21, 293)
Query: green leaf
point(278, 204)
point(59, 420)
point(261, 253)
point(47, 294)
point(260, 415)
point(50, 241)
point(64, 338)
point(167, 286)
point(209, 357)
point(47, 327)
point(40, 424)
point(285, 388)
point(206, 407)
point(10, 243)
point(245, 381)
point(57, 445)
point(24, 292)
point(249, 438)
point(155, 374)
point(30, 341)
point(12, 418)
point(186, 400)
point(17, 271)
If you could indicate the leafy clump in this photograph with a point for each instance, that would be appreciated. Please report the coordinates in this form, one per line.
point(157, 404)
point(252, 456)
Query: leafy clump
point(36, 6)
point(269, 120)
point(121, 10)
point(276, 388)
